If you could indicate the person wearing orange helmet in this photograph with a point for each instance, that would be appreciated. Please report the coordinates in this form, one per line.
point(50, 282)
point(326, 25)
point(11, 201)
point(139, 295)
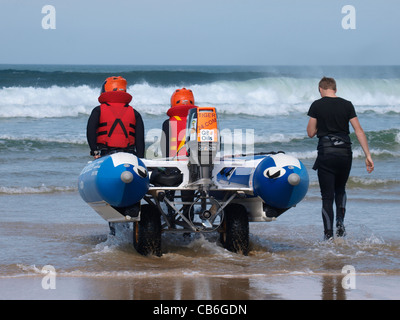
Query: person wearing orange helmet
point(174, 128)
point(173, 145)
point(114, 125)
point(182, 97)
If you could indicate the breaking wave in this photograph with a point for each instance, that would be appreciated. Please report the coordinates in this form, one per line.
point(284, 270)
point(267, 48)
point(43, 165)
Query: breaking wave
point(275, 96)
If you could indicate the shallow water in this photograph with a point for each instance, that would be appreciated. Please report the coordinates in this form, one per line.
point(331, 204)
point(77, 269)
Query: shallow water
point(76, 242)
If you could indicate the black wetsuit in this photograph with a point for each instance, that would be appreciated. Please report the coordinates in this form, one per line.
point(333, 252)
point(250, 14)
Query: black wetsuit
point(334, 155)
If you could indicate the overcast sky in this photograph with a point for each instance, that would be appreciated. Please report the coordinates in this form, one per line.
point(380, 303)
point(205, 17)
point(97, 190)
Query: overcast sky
point(201, 32)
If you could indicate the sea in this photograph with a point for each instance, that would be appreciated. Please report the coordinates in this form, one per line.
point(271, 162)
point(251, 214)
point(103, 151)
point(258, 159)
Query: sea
point(45, 225)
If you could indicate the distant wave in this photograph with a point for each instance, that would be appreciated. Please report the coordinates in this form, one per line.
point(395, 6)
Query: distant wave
point(371, 183)
point(384, 143)
point(272, 96)
point(9, 141)
point(32, 142)
point(93, 76)
point(178, 76)
point(357, 154)
point(383, 138)
point(35, 190)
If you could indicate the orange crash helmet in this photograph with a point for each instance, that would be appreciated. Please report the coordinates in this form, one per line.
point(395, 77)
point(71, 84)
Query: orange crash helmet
point(114, 84)
point(182, 97)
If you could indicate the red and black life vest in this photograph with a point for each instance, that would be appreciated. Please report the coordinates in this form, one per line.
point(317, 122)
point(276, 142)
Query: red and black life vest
point(117, 120)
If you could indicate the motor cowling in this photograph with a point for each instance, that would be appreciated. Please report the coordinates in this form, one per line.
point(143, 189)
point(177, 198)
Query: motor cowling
point(202, 137)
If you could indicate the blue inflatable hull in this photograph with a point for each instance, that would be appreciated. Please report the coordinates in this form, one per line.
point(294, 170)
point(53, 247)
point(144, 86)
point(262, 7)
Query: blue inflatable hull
point(280, 180)
point(120, 179)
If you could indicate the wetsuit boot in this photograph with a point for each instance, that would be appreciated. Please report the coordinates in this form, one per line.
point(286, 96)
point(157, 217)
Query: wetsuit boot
point(341, 200)
point(328, 234)
point(340, 229)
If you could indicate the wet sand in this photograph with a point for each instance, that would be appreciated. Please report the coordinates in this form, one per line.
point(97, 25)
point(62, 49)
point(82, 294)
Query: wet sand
point(275, 287)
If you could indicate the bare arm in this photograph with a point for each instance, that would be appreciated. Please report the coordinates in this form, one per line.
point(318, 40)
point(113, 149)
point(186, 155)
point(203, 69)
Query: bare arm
point(312, 127)
point(363, 142)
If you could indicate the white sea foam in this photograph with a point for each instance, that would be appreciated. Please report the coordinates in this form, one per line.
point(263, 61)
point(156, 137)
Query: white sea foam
point(258, 97)
point(46, 102)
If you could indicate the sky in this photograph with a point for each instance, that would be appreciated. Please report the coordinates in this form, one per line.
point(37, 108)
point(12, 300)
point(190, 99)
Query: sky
point(201, 32)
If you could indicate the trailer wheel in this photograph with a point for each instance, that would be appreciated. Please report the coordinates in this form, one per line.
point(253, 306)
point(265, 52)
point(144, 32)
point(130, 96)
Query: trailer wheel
point(235, 234)
point(147, 232)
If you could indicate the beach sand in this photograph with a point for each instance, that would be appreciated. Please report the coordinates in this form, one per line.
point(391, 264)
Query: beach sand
point(275, 287)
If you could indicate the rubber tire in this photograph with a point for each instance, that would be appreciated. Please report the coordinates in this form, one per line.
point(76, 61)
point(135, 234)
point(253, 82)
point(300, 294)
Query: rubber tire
point(147, 232)
point(235, 236)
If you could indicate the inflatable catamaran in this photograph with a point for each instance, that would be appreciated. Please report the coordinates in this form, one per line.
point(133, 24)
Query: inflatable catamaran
point(197, 192)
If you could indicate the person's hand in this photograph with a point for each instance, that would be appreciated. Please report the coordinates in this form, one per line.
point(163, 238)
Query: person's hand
point(96, 156)
point(369, 164)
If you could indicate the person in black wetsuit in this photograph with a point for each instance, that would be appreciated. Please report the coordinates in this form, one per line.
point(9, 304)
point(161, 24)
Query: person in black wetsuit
point(329, 120)
point(114, 125)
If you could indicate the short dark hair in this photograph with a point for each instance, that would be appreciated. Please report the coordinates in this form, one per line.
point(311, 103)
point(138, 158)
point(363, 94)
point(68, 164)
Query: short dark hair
point(327, 83)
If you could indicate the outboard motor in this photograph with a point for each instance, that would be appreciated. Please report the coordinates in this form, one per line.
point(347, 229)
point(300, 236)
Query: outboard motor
point(202, 140)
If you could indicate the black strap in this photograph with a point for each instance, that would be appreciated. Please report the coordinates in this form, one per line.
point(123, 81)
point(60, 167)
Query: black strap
point(118, 121)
